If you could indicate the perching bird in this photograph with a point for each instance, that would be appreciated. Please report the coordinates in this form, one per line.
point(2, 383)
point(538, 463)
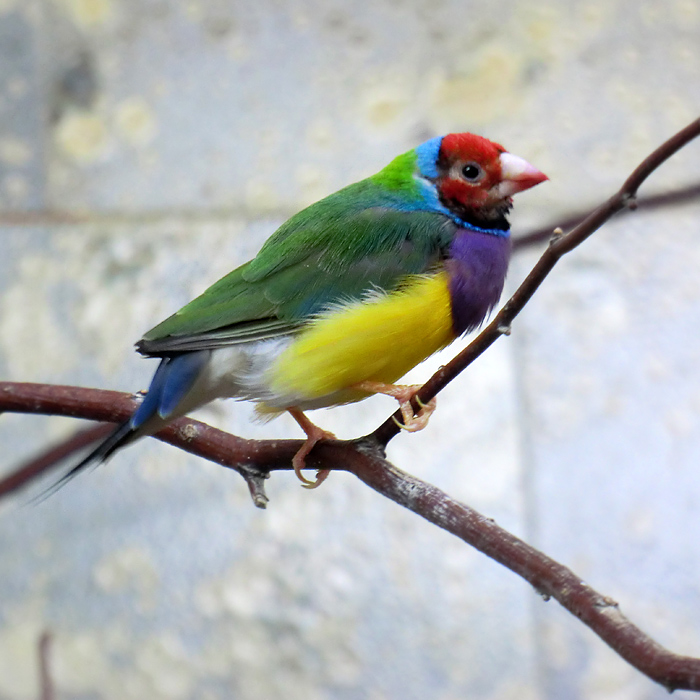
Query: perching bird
point(345, 297)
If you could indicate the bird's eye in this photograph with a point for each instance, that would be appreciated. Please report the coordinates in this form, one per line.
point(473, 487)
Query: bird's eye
point(472, 172)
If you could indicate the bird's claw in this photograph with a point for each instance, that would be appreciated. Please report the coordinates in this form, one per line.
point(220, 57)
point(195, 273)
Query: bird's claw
point(404, 395)
point(299, 462)
point(313, 435)
point(321, 476)
point(412, 423)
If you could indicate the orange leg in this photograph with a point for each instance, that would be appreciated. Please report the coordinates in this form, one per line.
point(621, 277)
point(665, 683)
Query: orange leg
point(403, 394)
point(313, 435)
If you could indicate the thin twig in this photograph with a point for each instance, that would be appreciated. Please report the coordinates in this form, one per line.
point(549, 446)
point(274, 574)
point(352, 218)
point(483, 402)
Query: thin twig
point(673, 198)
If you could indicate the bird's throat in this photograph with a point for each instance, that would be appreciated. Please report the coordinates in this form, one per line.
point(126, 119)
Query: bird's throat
point(493, 217)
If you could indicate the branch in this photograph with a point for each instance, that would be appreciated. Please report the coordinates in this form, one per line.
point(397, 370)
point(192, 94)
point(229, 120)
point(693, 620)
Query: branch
point(253, 459)
point(365, 459)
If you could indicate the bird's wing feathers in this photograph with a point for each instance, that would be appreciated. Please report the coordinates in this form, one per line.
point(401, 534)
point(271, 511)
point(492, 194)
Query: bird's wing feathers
point(311, 263)
point(231, 335)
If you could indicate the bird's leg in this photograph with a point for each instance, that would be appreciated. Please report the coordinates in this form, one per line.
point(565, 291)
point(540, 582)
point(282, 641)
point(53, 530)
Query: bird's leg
point(313, 435)
point(403, 394)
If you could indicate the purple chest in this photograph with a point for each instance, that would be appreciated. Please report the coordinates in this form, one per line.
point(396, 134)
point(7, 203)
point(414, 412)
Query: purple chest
point(477, 266)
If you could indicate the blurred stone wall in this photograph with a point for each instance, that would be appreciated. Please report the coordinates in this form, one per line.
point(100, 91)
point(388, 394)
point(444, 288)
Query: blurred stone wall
point(149, 146)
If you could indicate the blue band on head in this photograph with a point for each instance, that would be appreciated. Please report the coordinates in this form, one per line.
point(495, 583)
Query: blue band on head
point(426, 157)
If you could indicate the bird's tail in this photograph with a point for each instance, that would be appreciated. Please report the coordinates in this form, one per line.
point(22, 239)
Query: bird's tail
point(167, 398)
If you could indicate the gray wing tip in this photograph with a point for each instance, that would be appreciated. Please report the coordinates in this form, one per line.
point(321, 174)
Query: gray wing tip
point(143, 346)
point(236, 334)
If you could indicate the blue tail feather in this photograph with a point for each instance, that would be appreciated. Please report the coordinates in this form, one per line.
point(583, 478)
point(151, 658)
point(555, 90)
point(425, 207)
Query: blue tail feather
point(182, 372)
point(174, 377)
point(149, 405)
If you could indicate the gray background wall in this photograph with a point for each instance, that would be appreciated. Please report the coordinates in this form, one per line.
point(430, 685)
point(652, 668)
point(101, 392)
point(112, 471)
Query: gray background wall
point(146, 148)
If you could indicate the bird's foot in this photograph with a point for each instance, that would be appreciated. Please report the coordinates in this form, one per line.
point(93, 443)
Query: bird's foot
point(313, 435)
point(403, 394)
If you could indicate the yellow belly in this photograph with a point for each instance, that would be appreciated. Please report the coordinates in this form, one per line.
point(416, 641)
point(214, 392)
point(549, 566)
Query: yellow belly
point(379, 339)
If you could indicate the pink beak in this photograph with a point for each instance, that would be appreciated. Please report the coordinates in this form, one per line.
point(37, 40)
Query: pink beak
point(518, 175)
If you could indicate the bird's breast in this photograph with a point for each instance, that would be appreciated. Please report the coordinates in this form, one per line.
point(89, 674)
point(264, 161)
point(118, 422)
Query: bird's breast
point(377, 339)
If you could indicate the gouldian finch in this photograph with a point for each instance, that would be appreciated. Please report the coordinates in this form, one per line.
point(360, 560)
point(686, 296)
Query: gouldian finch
point(346, 296)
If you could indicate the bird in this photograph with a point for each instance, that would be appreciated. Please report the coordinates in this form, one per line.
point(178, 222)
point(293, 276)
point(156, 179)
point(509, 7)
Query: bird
point(344, 298)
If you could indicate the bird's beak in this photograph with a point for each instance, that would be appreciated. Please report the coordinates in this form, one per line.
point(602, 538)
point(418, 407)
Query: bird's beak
point(517, 175)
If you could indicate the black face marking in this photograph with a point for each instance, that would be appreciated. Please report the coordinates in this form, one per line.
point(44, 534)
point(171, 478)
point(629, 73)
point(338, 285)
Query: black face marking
point(483, 217)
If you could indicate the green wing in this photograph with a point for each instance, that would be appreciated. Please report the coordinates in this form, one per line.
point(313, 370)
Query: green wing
point(333, 251)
